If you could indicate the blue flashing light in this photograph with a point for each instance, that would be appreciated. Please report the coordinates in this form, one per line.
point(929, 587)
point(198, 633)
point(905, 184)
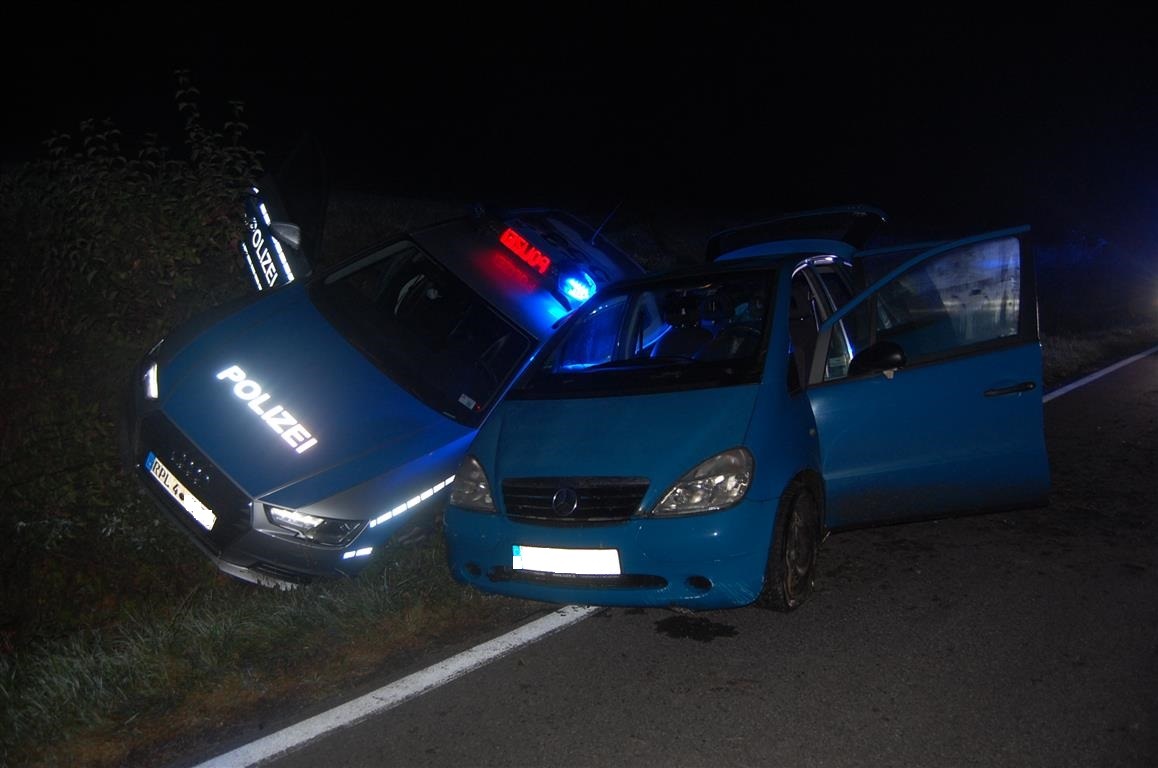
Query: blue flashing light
point(578, 286)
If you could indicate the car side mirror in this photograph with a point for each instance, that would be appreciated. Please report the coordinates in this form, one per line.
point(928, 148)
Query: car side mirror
point(290, 237)
point(288, 234)
point(884, 356)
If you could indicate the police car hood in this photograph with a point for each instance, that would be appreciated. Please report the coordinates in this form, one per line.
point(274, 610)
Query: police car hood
point(657, 436)
point(275, 396)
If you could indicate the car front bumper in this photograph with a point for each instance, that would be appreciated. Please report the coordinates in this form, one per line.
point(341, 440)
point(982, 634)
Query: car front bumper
point(698, 562)
point(254, 555)
point(234, 545)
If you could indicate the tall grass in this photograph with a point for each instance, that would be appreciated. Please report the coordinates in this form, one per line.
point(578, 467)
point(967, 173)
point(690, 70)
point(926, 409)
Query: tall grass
point(97, 695)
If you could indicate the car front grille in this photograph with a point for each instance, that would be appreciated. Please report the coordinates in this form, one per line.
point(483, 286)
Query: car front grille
point(573, 500)
point(202, 477)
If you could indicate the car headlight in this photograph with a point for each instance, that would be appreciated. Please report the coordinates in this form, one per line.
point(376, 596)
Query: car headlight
point(715, 484)
point(321, 530)
point(149, 382)
point(150, 385)
point(471, 489)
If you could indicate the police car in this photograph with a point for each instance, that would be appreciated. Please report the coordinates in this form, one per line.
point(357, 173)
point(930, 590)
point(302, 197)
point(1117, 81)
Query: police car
point(295, 431)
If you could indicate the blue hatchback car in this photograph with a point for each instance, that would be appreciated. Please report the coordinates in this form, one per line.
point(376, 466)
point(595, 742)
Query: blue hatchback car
point(689, 439)
point(293, 432)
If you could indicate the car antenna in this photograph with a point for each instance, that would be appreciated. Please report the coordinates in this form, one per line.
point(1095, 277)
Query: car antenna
point(604, 224)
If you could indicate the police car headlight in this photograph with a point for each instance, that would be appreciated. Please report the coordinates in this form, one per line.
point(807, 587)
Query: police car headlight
point(149, 382)
point(717, 483)
point(471, 489)
point(322, 530)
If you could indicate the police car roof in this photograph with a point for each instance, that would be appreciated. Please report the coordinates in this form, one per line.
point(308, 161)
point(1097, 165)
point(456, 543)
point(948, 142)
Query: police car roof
point(471, 248)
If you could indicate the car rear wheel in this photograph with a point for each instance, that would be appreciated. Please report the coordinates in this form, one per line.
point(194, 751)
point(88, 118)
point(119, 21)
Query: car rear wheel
point(791, 569)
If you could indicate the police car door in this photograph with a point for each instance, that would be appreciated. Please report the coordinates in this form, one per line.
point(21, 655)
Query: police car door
point(283, 219)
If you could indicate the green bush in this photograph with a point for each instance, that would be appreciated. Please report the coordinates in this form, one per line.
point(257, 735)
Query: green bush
point(104, 249)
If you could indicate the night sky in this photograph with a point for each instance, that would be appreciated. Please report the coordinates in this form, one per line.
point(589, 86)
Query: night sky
point(955, 120)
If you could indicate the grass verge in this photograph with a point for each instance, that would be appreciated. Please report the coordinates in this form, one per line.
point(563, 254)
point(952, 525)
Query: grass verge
point(1066, 357)
point(158, 684)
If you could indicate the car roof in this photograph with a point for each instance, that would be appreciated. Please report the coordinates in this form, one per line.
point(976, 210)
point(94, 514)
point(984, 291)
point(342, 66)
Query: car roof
point(472, 247)
point(840, 230)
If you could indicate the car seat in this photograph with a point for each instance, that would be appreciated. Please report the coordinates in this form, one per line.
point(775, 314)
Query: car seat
point(686, 337)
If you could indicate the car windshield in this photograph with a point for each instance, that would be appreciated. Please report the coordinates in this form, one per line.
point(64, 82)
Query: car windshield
point(664, 335)
point(425, 329)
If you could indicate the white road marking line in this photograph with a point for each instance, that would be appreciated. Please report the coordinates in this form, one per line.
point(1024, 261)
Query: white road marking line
point(1097, 375)
point(399, 691)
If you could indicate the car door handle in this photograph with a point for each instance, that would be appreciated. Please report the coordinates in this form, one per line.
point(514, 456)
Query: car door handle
point(1024, 386)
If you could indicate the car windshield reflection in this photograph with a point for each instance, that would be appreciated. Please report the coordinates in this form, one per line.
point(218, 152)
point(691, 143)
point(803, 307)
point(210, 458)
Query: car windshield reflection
point(424, 328)
point(677, 333)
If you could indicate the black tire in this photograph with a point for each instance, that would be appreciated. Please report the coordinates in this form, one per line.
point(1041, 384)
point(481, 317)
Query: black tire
point(791, 570)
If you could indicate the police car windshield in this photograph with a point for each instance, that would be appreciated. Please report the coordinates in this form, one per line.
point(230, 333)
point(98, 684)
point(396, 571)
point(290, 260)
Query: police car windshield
point(425, 328)
point(703, 330)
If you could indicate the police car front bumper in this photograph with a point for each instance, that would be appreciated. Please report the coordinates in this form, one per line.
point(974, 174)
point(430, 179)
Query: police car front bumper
point(225, 532)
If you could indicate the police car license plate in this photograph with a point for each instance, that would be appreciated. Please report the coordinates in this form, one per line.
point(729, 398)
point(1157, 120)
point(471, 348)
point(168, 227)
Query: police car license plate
point(183, 496)
point(585, 562)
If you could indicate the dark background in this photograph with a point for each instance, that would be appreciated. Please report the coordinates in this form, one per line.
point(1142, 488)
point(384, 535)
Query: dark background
point(952, 119)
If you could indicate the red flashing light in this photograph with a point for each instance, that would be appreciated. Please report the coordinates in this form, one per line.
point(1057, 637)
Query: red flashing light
point(535, 259)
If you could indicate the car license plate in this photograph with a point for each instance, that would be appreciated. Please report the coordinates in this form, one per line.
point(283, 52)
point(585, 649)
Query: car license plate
point(586, 562)
point(179, 492)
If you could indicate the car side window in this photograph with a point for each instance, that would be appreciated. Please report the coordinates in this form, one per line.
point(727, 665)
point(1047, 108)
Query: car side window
point(947, 303)
point(838, 290)
point(594, 339)
point(646, 325)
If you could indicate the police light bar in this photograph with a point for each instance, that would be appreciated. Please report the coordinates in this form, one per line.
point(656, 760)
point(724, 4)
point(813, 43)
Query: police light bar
point(579, 286)
point(532, 256)
point(573, 285)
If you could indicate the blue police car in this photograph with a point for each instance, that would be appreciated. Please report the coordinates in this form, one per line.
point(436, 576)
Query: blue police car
point(293, 432)
point(688, 439)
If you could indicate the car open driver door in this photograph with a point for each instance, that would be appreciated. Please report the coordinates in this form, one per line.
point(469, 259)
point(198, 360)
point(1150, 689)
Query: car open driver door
point(927, 387)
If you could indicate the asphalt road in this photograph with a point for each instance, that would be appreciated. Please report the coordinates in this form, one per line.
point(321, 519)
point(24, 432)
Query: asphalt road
point(1027, 638)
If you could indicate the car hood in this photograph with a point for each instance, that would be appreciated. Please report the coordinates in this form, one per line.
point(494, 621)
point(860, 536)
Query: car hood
point(275, 396)
point(657, 436)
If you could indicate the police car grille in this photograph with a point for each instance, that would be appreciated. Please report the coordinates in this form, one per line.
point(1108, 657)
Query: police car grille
point(201, 476)
point(547, 500)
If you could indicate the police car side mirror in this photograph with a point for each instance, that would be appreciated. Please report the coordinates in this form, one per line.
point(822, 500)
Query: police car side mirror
point(290, 237)
point(288, 234)
point(273, 252)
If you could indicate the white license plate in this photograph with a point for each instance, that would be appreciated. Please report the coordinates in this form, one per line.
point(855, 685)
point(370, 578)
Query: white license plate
point(183, 495)
point(585, 562)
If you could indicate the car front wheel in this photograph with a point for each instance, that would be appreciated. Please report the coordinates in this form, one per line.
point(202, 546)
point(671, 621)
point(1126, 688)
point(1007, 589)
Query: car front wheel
point(791, 568)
